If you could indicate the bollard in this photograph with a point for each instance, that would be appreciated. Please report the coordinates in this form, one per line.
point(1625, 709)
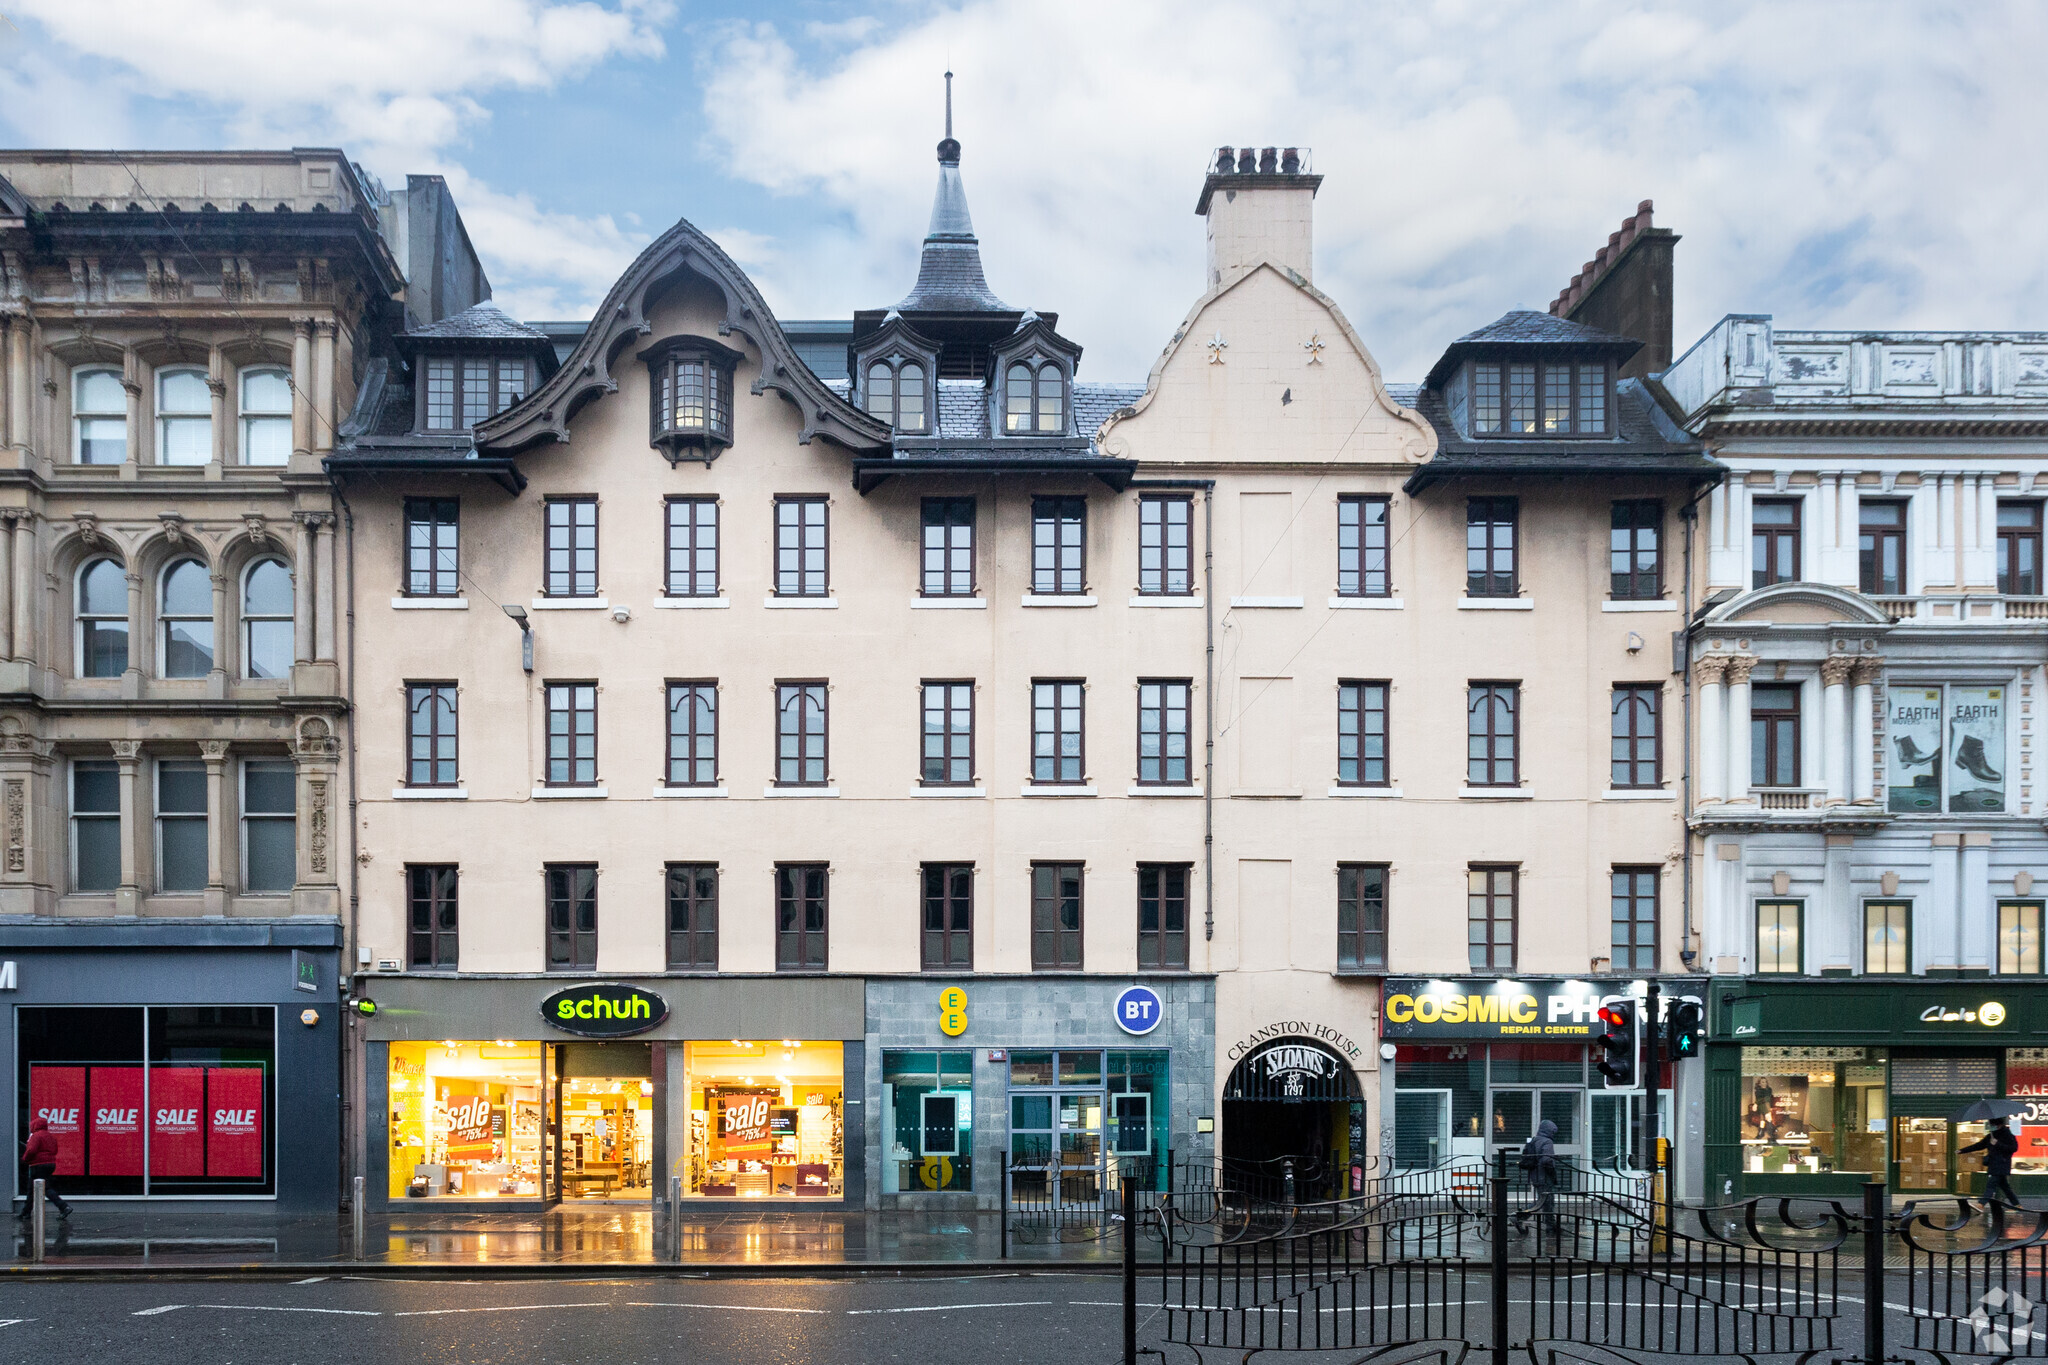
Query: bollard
point(1130, 1193)
point(675, 1218)
point(357, 1221)
point(1876, 1211)
point(36, 1211)
point(1499, 1286)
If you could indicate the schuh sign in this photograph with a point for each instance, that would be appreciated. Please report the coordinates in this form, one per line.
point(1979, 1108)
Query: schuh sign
point(604, 1009)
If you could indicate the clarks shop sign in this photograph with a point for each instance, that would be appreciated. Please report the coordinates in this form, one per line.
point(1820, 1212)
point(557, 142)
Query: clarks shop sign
point(1413, 1007)
point(604, 1009)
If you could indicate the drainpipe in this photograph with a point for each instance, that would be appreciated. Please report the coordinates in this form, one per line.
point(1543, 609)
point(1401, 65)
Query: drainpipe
point(1207, 488)
point(348, 1082)
point(1690, 515)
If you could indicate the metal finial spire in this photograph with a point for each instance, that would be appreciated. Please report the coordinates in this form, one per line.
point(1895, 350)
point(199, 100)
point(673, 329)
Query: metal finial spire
point(949, 150)
point(949, 104)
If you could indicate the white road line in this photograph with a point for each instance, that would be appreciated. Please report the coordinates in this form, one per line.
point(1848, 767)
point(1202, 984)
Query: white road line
point(949, 1307)
point(14, 1322)
point(276, 1308)
point(152, 1312)
point(311, 1279)
point(501, 1308)
point(726, 1307)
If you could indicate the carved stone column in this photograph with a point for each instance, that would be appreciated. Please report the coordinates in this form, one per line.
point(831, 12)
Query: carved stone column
point(138, 641)
point(1863, 730)
point(217, 676)
point(1737, 749)
point(132, 383)
point(220, 841)
point(1709, 673)
point(128, 896)
point(323, 586)
point(323, 386)
point(302, 385)
point(25, 534)
point(1834, 725)
point(30, 852)
point(302, 587)
point(226, 437)
point(7, 520)
point(8, 322)
point(317, 754)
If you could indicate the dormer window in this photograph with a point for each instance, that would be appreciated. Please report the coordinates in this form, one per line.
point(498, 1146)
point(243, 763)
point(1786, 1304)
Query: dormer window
point(1034, 399)
point(1540, 398)
point(460, 391)
point(692, 396)
point(896, 394)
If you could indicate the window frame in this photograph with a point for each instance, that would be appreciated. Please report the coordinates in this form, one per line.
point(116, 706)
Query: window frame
point(1354, 699)
point(246, 418)
point(1768, 537)
point(1062, 937)
point(1354, 562)
point(81, 415)
point(1047, 379)
point(1162, 935)
point(694, 934)
point(429, 693)
point(1759, 715)
point(434, 548)
point(2010, 539)
point(802, 549)
point(500, 394)
point(1540, 368)
point(1887, 904)
point(1059, 732)
point(800, 687)
point(1157, 580)
point(1486, 512)
point(248, 620)
point(1054, 509)
point(2022, 903)
point(165, 620)
point(946, 734)
point(113, 816)
point(574, 576)
point(690, 690)
point(894, 367)
point(1869, 561)
point(1779, 905)
point(712, 430)
point(1162, 732)
point(1625, 918)
point(799, 901)
point(950, 530)
point(443, 942)
point(1625, 699)
point(167, 419)
point(575, 938)
point(1492, 898)
point(1634, 518)
point(952, 910)
point(569, 686)
point(1492, 689)
point(80, 618)
point(1356, 904)
point(248, 816)
point(163, 817)
point(692, 550)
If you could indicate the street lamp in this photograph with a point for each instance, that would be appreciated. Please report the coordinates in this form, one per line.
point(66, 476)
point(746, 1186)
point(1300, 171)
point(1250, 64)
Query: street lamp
point(518, 615)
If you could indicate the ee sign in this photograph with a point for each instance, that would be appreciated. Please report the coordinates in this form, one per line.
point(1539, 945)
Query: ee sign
point(952, 1011)
point(1139, 1010)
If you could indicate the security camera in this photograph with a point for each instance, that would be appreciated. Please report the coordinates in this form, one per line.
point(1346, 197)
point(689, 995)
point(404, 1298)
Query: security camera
point(622, 614)
point(1635, 643)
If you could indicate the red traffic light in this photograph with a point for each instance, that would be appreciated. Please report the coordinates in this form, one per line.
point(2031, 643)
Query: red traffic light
point(1614, 1016)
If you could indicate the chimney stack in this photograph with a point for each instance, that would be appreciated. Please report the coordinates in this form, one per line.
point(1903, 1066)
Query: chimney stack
point(1260, 204)
point(1627, 289)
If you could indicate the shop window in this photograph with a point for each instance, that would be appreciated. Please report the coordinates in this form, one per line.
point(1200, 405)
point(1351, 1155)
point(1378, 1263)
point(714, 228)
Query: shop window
point(180, 825)
point(693, 917)
point(431, 909)
point(1779, 936)
point(606, 1136)
point(766, 1120)
point(2019, 938)
point(928, 1121)
point(1439, 1103)
point(1165, 552)
point(95, 825)
point(800, 916)
point(1059, 555)
point(432, 548)
point(948, 568)
point(572, 916)
point(1361, 916)
point(1096, 1120)
point(467, 1120)
point(1815, 1110)
point(270, 827)
point(157, 1100)
point(1362, 547)
point(1887, 937)
point(1139, 1108)
point(1954, 734)
point(2026, 1080)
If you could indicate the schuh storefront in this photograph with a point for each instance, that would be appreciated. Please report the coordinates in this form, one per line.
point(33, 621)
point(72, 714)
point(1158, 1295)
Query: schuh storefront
point(537, 1089)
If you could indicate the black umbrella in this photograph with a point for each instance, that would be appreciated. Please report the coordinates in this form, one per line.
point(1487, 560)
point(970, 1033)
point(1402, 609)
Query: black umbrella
point(1979, 1110)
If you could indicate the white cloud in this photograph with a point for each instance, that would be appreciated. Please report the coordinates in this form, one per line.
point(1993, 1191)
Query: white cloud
point(1836, 164)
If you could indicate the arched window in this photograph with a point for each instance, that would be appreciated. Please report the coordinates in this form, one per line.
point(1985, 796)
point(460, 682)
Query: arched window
point(99, 417)
point(186, 610)
point(266, 417)
point(896, 394)
point(882, 391)
point(1034, 400)
point(101, 610)
point(267, 620)
point(184, 417)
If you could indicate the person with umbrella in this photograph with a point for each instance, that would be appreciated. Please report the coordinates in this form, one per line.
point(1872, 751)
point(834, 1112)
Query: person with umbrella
point(1998, 1145)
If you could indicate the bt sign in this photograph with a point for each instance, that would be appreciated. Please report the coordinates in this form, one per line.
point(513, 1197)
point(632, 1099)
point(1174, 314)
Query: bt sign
point(1139, 1010)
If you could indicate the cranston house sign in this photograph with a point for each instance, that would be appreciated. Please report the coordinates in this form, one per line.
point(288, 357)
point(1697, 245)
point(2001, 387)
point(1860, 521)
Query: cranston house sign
point(1290, 1069)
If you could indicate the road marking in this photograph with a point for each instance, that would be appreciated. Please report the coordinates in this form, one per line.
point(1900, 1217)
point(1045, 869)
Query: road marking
point(13, 1322)
point(949, 1307)
point(276, 1308)
point(501, 1308)
point(152, 1312)
point(726, 1307)
point(310, 1279)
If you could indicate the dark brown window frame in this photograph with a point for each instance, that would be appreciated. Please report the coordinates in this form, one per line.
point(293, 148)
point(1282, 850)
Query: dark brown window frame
point(1490, 735)
point(440, 582)
point(1059, 732)
point(803, 732)
point(799, 501)
point(953, 913)
point(691, 549)
point(791, 919)
point(1491, 898)
point(1870, 561)
point(1363, 689)
point(1041, 372)
point(894, 416)
point(1632, 518)
point(1165, 956)
point(1354, 904)
point(946, 507)
point(1769, 538)
point(946, 735)
point(1493, 583)
point(1157, 580)
point(433, 735)
point(712, 429)
point(1061, 938)
point(2010, 538)
point(443, 944)
point(1540, 367)
point(694, 937)
point(577, 939)
point(1055, 508)
point(548, 688)
point(1163, 709)
point(460, 419)
point(1624, 700)
point(690, 686)
point(1356, 578)
point(1773, 733)
point(1625, 950)
point(573, 580)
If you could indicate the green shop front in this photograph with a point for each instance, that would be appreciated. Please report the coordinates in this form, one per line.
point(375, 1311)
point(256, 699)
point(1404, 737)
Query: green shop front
point(1816, 1087)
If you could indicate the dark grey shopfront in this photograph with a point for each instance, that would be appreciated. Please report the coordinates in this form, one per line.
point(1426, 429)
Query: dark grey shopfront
point(178, 1059)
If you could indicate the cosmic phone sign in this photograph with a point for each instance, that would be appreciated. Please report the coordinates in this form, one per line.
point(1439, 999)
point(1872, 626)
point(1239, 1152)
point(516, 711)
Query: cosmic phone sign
point(604, 1009)
point(1486, 1008)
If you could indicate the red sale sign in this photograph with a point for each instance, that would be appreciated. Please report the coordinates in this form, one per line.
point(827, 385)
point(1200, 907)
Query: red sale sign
point(114, 1099)
point(234, 1121)
point(177, 1147)
point(743, 1122)
point(57, 1093)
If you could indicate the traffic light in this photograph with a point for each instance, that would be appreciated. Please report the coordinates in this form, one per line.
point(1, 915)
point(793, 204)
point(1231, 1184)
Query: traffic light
point(1682, 1029)
point(1620, 1044)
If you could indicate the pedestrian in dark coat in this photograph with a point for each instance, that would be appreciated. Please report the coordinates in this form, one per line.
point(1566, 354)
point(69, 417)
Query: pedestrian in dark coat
point(1539, 1161)
point(39, 1158)
point(1998, 1145)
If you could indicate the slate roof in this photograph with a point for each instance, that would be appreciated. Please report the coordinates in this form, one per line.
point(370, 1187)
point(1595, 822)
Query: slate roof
point(1527, 328)
point(478, 322)
point(1646, 442)
point(949, 275)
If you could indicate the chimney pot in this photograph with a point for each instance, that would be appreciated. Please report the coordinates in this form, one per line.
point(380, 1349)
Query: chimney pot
point(1645, 206)
point(1226, 159)
point(1613, 240)
point(1247, 161)
point(1290, 161)
point(1269, 161)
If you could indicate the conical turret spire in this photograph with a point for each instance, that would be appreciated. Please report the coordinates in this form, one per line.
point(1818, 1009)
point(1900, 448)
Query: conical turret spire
point(949, 275)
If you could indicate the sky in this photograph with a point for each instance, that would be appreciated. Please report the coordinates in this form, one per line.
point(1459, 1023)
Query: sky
point(1862, 165)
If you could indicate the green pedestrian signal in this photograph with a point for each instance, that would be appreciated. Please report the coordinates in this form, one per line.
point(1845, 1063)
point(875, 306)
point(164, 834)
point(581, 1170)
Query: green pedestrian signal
point(1682, 1030)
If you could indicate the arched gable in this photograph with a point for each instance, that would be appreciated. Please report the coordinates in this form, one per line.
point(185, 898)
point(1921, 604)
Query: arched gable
point(1801, 604)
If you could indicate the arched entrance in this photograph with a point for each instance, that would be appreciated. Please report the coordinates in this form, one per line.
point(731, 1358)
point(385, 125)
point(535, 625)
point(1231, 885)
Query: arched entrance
point(1295, 1098)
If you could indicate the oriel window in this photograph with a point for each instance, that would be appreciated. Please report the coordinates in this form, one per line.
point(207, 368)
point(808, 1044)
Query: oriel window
point(691, 382)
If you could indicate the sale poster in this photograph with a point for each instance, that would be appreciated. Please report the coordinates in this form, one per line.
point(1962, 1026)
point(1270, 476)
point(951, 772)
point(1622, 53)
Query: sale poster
point(743, 1122)
point(57, 1093)
point(468, 1106)
point(114, 1096)
point(2028, 1083)
point(234, 1121)
point(177, 1143)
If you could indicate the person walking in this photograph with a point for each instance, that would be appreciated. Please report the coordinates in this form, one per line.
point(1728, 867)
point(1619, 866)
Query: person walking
point(1539, 1162)
point(39, 1158)
point(1998, 1145)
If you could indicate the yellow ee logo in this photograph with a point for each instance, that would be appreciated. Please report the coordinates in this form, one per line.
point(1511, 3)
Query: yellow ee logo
point(952, 1013)
point(936, 1172)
